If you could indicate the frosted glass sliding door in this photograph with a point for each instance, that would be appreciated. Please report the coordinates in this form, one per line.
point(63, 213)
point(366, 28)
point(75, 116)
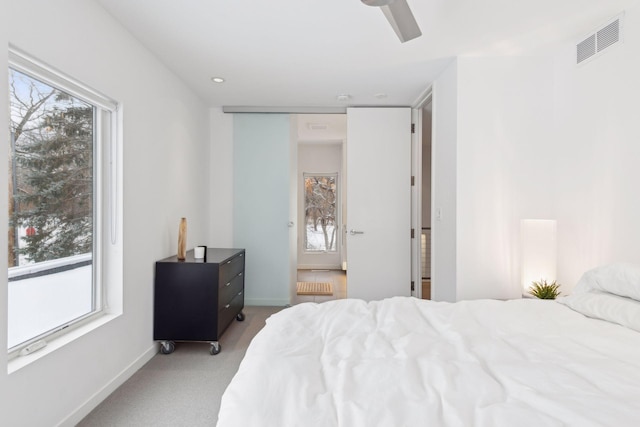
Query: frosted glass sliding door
point(261, 181)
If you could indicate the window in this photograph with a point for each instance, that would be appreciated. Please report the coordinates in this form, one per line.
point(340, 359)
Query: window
point(320, 213)
point(57, 204)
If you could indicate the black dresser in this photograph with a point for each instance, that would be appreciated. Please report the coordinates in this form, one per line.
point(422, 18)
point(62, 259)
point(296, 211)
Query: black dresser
point(197, 299)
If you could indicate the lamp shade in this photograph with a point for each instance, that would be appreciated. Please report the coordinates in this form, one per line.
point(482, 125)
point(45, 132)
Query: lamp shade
point(539, 250)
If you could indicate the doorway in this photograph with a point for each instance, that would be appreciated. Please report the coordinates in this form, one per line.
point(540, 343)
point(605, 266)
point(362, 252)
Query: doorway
point(425, 235)
point(265, 174)
point(321, 205)
point(421, 198)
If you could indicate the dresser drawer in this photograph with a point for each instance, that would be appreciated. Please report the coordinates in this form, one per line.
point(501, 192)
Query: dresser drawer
point(229, 311)
point(230, 268)
point(229, 290)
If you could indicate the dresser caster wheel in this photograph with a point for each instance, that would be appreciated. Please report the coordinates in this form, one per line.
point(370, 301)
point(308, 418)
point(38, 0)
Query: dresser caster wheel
point(167, 347)
point(215, 348)
point(240, 317)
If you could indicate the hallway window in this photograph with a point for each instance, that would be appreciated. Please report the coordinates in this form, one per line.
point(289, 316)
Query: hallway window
point(320, 207)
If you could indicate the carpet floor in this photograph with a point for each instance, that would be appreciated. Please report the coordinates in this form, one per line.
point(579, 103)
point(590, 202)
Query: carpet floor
point(183, 388)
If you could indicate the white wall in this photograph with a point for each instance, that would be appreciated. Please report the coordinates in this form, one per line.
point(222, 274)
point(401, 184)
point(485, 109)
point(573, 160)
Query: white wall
point(505, 167)
point(540, 138)
point(166, 140)
point(443, 173)
point(493, 165)
point(598, 152)
point(221, 179)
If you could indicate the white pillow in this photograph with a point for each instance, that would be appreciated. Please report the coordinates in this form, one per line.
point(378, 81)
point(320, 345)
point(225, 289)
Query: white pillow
point(601, 305)
point(620, 279)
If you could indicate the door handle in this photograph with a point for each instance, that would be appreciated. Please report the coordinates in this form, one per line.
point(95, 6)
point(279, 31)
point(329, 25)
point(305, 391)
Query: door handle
point(354, 232)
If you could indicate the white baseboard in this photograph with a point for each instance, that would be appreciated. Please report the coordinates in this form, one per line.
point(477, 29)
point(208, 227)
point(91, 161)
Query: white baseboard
point(319, 267)
point(266, 302)
point(76, 416)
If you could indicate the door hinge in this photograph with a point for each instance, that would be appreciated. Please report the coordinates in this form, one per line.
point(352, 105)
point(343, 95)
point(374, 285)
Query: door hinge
point(413, 233)
point(413, 286)
point(413, 181)
point(413, 128)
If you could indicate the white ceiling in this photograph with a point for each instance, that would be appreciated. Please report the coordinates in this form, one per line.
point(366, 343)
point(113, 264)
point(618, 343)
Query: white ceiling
point(303, 53)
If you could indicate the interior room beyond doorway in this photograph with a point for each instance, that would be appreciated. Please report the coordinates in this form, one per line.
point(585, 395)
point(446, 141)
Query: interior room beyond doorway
point(321, 253)
point(321, 194)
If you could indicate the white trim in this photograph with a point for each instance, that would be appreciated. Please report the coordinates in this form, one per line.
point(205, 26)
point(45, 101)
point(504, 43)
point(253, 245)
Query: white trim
point(90, 404)
point(416, 201)
point(286, 110)
point(115, 141)
point(267, 302)
point(37, 267)
point(18, 363)
point(423, 99)
point(23, 62)
point(336, 267)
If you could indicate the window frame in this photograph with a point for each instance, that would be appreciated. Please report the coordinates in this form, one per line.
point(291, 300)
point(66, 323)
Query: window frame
point(106, 140)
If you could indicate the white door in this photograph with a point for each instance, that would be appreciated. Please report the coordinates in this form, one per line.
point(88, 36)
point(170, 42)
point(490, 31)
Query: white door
point(379, 202)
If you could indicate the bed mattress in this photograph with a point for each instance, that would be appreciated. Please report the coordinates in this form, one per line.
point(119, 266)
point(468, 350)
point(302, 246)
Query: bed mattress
point(409, 362)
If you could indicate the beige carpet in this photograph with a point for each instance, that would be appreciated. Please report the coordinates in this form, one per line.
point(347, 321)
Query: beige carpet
point(314, 288)
point(183, 388)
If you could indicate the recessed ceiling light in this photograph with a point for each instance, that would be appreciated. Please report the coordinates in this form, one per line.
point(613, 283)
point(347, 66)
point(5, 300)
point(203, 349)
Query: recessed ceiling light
point(343, 98)
point(380, 95)
point(217, 79)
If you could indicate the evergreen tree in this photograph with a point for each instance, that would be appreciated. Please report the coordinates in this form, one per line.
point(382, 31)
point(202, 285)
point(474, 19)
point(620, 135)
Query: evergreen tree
point(55, 182)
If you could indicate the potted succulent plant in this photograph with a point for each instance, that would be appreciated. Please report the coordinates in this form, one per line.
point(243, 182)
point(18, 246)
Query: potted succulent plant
point(544, 290)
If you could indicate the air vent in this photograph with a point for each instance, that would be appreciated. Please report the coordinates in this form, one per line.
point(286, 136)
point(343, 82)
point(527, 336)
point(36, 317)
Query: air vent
point(608, 35)
point(601, 39)
point(317, 126)
point(586, 48)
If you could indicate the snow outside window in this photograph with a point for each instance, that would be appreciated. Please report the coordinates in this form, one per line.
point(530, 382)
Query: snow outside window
point(57, 130)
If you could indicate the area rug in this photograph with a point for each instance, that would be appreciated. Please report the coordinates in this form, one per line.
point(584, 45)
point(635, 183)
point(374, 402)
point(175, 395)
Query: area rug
point(314, 288)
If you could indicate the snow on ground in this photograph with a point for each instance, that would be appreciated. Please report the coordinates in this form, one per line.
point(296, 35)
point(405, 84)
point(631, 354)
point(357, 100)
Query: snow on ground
point(40, 304)
point(315, 238)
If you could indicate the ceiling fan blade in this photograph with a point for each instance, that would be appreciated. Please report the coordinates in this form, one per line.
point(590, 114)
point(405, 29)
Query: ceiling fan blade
point(401, 19)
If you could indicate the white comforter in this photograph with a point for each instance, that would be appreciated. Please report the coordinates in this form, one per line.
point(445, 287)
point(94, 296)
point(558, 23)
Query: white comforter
point(408, 362)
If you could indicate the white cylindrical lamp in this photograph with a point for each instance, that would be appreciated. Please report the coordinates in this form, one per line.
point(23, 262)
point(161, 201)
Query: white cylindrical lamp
point(539, 251)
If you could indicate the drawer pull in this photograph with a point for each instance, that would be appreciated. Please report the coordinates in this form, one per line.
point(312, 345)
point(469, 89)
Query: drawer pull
point(227, 306)
point(241, 255)
point(240, 274)
point(239, 293)
point(228, 262)
point(227, 284)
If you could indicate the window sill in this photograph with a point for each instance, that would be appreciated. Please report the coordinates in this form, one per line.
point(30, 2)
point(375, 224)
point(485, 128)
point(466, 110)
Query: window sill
point(20, 362)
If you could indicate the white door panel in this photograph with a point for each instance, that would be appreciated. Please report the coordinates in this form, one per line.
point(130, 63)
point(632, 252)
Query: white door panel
point(379, 202)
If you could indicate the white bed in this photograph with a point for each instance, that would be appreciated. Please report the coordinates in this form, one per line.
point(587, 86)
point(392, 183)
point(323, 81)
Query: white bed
point(408, 362)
